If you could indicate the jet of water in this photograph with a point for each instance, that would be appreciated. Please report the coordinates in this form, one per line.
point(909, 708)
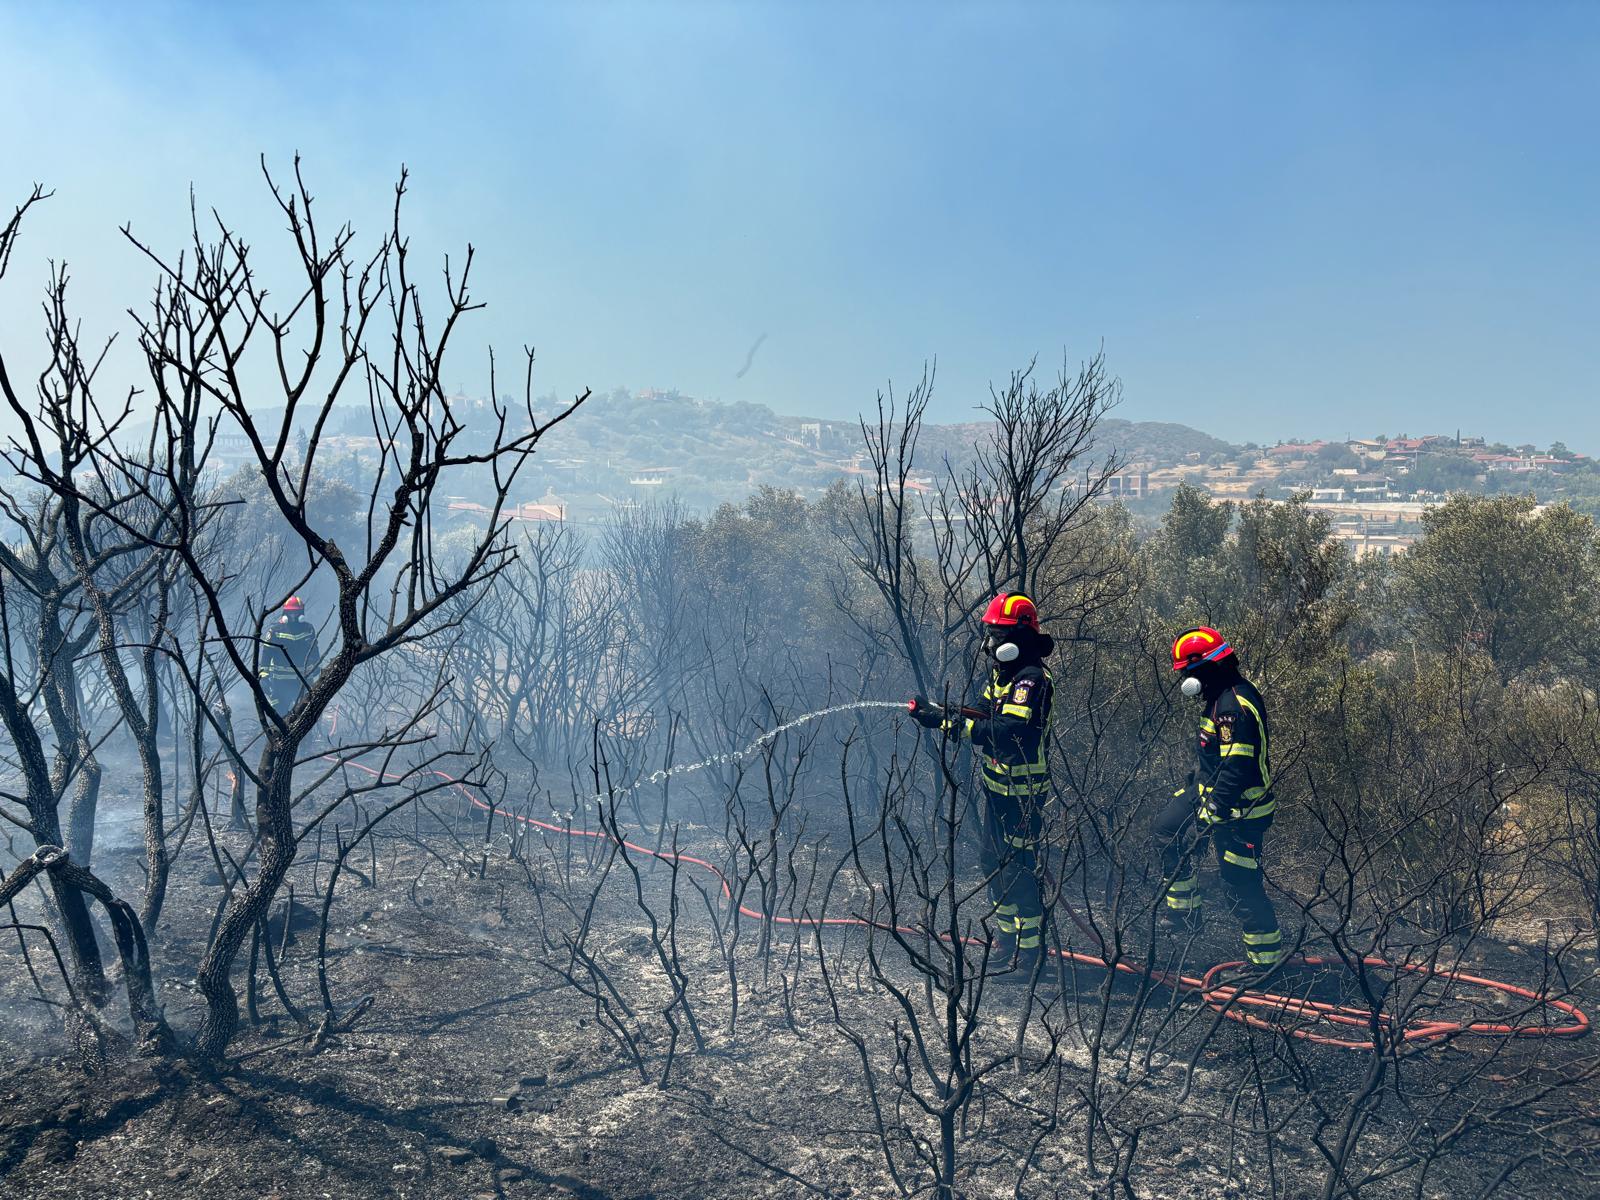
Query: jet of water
point(733, 756)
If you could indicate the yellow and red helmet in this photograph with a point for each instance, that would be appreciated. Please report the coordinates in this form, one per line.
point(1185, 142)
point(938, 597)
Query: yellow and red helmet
point(1202, 644)
point(1012, 609)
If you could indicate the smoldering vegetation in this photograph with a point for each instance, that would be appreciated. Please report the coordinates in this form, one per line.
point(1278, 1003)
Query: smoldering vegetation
point(555, 882)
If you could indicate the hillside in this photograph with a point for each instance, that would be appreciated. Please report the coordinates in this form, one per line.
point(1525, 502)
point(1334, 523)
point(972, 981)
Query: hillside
point(625, 446)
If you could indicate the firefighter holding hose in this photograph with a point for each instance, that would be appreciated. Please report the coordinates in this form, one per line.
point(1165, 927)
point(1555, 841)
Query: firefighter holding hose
point(1228, 799)
point(1008, 731)
point(290, 656)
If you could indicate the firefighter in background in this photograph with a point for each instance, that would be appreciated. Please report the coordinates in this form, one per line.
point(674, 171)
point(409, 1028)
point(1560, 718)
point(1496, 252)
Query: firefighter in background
point(1229, 798)
point(1008, 734)
point(290, 657)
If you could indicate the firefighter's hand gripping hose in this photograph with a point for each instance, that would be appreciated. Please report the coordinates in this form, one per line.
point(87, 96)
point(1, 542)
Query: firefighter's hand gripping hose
point(1261, 1009)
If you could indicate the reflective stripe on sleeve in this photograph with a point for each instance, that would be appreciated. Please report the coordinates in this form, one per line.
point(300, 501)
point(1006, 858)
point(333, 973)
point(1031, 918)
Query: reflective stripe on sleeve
point(1261, 725)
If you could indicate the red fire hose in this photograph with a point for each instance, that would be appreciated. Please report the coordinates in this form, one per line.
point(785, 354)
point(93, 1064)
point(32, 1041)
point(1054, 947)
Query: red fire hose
point(1238, 1004)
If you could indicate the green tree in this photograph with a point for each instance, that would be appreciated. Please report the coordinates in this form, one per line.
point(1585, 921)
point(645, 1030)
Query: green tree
point(1184, 553)
point(1335, 455)
point(1443, 473)
point(1494, 574)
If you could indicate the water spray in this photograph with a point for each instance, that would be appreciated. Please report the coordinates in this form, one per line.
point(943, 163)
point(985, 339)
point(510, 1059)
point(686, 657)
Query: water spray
point(733, 756)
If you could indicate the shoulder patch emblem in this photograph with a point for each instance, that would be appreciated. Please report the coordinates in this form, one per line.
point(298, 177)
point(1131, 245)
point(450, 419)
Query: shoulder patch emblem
point(1022, 692)
point(1225, 726)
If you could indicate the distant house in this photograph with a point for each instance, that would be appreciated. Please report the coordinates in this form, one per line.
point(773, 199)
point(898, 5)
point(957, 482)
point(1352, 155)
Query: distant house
point(1371, 448)
point(1407, 449)
point(1130, 485)
point(1409, 445)
point(924, 484)
point(820, 435)
point(231, 450)
point(1384, 545)
point(461, 403)
point(1521, 462)
point(1547, 462)
point(548, 507)
point(1127, 485)
point(1328, 495)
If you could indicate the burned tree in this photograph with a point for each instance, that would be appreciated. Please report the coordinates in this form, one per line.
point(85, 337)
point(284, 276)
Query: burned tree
point(45, 636)
point(1032, 482)
point(219, 355)
point(391, 590)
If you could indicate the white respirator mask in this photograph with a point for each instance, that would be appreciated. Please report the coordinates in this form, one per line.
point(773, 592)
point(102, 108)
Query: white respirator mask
point(1190, 686)
point(1000, 647)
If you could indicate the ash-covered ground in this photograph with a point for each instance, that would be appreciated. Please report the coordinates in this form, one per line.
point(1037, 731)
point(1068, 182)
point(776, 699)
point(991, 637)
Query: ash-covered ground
point(481, 1067)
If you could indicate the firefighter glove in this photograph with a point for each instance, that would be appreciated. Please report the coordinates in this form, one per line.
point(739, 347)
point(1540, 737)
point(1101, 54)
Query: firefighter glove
point(926, 713)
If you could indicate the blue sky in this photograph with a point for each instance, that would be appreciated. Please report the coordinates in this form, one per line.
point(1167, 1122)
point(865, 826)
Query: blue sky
point(1280, 220)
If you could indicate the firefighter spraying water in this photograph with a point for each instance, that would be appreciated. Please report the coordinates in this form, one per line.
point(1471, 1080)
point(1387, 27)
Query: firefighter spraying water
point(1008, 728)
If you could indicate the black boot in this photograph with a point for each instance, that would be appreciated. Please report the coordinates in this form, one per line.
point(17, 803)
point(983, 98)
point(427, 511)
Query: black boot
point(1002, 952)
point(1182, 920)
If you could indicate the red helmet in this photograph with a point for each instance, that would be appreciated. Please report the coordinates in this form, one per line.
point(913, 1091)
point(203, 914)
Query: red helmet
point(1198, 645)
point(1012, 609)
point(294, 605)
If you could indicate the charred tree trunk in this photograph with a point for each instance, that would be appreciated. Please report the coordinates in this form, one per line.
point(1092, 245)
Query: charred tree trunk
point(276, 846)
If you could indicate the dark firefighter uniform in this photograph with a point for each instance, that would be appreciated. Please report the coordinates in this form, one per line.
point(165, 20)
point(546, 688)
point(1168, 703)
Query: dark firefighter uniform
point(289, 659)
point(1009, 744)
point(1230, 801)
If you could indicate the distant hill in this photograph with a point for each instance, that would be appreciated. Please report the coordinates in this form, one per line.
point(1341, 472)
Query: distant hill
point(1161, 441)
point(617, 446)
point(1134, 441)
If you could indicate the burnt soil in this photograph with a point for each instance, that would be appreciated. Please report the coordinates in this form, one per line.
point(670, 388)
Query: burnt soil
point(479, 1071)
